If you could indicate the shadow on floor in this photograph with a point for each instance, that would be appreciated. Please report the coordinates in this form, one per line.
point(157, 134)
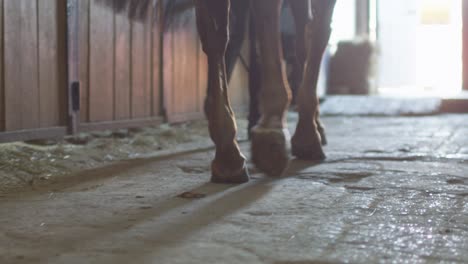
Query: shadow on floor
point(173, 220)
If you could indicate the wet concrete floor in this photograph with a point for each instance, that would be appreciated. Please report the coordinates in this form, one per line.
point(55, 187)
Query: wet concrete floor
point(391, 190)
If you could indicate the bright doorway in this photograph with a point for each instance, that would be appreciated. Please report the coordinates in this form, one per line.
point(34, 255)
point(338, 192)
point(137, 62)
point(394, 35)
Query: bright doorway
point(420, 47)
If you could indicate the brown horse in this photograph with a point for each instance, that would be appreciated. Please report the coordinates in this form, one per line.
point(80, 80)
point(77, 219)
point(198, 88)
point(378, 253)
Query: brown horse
point(270, 137)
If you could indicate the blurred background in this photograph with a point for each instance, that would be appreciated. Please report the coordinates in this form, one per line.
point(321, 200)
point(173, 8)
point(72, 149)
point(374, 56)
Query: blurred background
point(416, 47)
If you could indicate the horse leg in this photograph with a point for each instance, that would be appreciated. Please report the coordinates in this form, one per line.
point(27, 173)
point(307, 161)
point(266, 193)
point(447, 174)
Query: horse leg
point(229, 164)
point(307, 141)
point(237, 26)
point(320, 128)
point(270, 137)
point(238, 20)
point(301, 13)
point(254, 79)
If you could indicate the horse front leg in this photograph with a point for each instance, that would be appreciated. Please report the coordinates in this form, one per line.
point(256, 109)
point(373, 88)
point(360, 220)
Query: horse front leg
point(270, 137)
point(309, 136)
point(229, 164)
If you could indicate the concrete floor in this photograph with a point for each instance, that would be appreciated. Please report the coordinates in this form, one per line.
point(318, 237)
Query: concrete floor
point(392, 190)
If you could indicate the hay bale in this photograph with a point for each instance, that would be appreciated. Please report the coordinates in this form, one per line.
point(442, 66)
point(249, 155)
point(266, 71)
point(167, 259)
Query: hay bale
point(350, 68)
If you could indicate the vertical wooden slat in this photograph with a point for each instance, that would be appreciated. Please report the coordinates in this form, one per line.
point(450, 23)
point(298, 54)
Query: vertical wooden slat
point(180, 59)
point(168, 72)
point(62, 67)
point(101, 64)
point(465, 44)
point(180, 63)
point(156, 63)
point(2, 83)
point(238, 86)
point(122, 67)
point(21, 56)
point(156, 44)
point(179, 74)
point(52, 64)
point(185, 69)
point(84, 8)
point(72, 32)
point(148, 51)
point(202, 75)
point(192, 68)
point(141, 90)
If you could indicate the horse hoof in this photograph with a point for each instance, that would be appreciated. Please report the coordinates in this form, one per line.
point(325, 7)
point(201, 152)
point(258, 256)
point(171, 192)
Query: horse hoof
point(309, 148)
point(270, 150)
point(219, 174)
point(305, 152)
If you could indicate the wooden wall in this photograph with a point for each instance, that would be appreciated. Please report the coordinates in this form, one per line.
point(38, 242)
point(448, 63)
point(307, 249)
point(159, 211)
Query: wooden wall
point(119, 65)
point(239, 84)
point(33, 70)
point(465, 43)
point(121, 71)
point(125, 73)
point(184, 69)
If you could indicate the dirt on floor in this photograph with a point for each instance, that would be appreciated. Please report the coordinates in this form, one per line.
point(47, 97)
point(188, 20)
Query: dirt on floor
point(27, 165)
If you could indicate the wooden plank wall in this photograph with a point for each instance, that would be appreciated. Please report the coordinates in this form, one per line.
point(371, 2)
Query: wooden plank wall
point(33, 73)
point(239, 84)
point(465, 43)
point(119, 65)
point(186, 72)
point(183, 70)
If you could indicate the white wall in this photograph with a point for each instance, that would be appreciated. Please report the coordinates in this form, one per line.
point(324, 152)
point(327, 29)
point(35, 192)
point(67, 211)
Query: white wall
point(398, 28)
point(417, 54)
point(344, 21)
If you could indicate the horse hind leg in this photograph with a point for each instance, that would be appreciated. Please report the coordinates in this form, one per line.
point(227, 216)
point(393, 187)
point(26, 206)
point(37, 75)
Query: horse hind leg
point(270, 138)
point(301, 12)
point(310, 136)
point(229, 165)
point(321, 129)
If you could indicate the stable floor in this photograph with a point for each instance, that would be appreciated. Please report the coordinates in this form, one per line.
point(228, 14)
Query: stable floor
point(393, 189)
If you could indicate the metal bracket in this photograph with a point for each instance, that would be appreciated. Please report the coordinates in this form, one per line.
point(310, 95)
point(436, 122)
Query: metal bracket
point(75, 96)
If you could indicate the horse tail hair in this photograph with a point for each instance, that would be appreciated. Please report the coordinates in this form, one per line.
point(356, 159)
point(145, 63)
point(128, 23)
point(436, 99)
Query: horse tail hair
point(137, 10)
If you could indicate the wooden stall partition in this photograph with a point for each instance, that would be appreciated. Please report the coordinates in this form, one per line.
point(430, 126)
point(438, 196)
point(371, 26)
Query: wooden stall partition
point(22, 105)
point(202, 75)
point(101, 64)
point(83, 7)
point(120, 65)
point(119, 69)
point(182, 80)
point(2, 69)
point(123, 80)
point(465, 43)
point(239, 84)
point(33, 72)
point(141, 96)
